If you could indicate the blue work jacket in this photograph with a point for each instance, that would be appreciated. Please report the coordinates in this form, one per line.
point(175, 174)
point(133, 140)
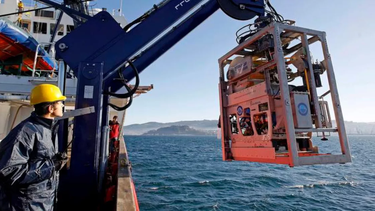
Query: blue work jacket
point(28, 180)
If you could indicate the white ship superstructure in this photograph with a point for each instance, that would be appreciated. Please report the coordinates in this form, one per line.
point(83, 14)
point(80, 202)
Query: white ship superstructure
point(40, 24)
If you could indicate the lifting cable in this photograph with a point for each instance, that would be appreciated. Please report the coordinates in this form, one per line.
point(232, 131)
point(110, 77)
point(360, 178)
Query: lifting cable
point(249, 30)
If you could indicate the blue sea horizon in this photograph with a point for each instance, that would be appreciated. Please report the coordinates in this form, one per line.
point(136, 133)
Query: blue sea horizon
point(187, 173)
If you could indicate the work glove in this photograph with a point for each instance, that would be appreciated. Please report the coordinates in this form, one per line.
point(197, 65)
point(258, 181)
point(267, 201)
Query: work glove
point(59, 160)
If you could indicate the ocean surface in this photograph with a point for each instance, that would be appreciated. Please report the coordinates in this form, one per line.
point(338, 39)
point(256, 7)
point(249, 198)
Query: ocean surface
point(187, 173)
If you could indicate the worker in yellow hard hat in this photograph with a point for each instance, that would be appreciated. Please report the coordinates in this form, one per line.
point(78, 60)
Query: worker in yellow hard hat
point(20, 10)
point(20, 6)
point(29, 157)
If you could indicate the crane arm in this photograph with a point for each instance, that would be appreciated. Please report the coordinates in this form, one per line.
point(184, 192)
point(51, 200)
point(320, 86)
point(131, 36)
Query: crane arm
point(98, 49)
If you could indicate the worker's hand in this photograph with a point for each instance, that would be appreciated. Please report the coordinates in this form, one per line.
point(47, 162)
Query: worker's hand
point(59, 160)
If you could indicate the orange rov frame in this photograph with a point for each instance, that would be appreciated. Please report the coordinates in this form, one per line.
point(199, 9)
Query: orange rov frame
point(266, 115)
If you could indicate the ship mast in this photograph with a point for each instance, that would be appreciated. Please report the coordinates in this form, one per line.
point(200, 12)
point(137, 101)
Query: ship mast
point(120, 10)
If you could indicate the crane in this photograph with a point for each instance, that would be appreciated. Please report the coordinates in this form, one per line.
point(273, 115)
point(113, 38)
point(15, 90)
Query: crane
point(263, 117)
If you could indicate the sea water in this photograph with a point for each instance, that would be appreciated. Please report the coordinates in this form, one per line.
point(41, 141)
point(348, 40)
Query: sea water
point(187, 173)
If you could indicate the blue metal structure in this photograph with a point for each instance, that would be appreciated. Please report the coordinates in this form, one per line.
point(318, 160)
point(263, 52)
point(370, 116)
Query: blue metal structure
point(96, 50)
point(79, 183)
point(71, 12)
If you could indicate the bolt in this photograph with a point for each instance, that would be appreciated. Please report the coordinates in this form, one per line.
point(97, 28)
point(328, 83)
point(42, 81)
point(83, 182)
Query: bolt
point(62, 46)
point(242, 7)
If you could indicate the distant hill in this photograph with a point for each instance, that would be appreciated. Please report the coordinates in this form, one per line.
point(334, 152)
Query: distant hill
point(176, 130)
point(139, 129)
point(210, 126)
point(359, 128)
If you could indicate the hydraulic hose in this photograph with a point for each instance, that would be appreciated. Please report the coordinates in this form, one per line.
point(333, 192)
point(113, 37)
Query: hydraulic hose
point(145, 15)
point(130, 92)
point(123, 81)
point(118, 108)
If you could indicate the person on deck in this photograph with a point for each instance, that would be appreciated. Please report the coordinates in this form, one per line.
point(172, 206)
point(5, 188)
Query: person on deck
point(29, 158)
point(114, 128)
point(20, 6)
point(20, 10)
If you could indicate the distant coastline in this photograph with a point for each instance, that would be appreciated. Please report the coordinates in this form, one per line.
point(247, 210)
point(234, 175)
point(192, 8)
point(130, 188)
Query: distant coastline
point(209, 128)
point(181, 128)
point(178, 130)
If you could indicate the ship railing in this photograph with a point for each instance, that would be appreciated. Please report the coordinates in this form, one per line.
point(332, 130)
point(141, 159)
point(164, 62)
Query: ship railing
point(50, 55)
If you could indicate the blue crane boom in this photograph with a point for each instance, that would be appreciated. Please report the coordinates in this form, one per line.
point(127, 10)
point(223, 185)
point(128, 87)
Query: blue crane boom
point(97, 50)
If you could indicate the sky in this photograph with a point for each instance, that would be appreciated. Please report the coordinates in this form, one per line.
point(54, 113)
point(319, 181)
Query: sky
point(186, 78)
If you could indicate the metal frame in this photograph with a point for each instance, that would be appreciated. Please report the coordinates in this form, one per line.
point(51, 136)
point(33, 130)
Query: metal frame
point(294, 158)
point(37, 56)
point(77, 112)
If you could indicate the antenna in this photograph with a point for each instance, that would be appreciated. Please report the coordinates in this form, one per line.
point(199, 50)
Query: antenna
point(120, 10)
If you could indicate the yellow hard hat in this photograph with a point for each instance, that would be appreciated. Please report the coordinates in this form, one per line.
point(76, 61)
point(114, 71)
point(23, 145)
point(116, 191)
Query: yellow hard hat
point(45, 93)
